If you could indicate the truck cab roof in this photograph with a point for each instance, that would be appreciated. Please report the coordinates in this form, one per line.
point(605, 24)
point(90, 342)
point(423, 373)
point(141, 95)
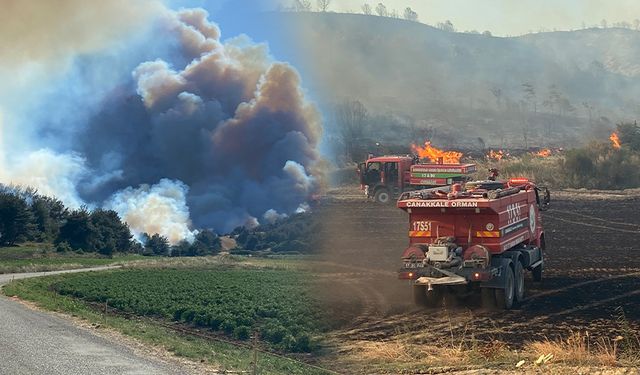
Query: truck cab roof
point(390, 158)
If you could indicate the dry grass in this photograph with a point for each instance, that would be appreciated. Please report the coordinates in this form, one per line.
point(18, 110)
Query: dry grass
point(577, 351)
point(578, 348)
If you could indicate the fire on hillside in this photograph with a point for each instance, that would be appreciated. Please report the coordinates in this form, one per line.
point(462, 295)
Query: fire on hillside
point(615, 140)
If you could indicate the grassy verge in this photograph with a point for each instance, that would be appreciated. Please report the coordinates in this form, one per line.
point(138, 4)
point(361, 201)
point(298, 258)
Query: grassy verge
point(40, 257)
point(223, 356)
point(61, 263)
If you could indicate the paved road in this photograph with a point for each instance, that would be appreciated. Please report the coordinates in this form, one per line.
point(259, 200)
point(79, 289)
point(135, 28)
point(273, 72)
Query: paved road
point(33, 342)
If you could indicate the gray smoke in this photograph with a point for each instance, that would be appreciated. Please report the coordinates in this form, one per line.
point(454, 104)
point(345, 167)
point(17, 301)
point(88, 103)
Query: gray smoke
point(147, 111)
point(222, 119)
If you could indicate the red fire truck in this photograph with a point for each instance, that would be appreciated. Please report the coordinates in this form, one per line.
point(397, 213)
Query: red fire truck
point(384, 178)
point(480, 237)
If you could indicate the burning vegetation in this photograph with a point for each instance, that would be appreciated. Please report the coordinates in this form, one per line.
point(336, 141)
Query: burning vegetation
point(544, 153)
point(496, 155)
point(436, 155)
point(615, 140)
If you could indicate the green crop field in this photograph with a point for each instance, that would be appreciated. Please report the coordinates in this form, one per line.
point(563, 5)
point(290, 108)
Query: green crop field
point(234, 301)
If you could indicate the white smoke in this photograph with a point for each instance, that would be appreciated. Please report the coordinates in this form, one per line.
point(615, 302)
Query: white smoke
point(159, 208)
point(271, 216)
point(50, 173)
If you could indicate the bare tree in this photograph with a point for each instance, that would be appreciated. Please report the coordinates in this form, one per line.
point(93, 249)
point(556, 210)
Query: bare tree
point(323, 5)
point(394, 14)
point(446, 26)
point(529, 93)
point(351, 119)
point(410, 14)
point(302, 5)
point(603, 23)
point(553, 100)
point(381, 9)
point(622, 25)
point(497, 93)
point(366, 9)
point(636, 24)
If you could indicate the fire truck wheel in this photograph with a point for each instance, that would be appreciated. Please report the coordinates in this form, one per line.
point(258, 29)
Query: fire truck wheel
point(505, 297)
point(536, 273)
point(519, 281)
point(427, 298)
point(382, 196)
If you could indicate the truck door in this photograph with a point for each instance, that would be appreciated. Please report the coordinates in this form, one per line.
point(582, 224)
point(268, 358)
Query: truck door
point(372, 174)
point(392, 177)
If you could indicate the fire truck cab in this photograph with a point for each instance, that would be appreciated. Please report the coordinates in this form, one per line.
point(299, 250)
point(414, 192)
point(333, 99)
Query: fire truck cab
point(384, 178)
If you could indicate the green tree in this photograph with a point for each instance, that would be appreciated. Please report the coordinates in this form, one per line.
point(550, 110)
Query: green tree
point(111, 233)
point(15, 218)
point(48, 215)
point(629, 134)
point(197, 248)
point(158, 245)
point(180, 249)
point(78, 231)
point(209, 239)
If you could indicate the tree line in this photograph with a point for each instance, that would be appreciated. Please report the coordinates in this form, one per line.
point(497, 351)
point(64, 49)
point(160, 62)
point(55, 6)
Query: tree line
point(297, 233)
point(27, 216)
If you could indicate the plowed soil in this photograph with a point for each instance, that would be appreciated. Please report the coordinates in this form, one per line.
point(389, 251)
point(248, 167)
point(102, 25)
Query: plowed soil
point(591, 281)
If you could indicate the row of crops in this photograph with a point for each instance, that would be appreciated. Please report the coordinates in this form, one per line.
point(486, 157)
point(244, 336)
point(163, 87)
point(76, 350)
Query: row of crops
point(276, 304)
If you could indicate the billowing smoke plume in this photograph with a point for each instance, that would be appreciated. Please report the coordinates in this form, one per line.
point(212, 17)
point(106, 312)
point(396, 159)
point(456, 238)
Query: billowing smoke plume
point(207, 134)
point(160, 208)
point(52, 174)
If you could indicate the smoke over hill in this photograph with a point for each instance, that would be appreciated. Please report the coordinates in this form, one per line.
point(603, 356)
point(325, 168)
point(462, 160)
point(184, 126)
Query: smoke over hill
point(174, 128)
point(546, 89)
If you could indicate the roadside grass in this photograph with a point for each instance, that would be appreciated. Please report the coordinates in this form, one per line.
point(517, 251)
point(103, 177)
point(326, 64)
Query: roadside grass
point(65, 263)
point(25, 250)
point(222, 356)
point(41, 257)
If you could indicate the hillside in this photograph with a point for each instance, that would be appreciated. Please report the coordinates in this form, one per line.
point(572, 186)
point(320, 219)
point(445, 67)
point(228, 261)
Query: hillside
point(460, 86)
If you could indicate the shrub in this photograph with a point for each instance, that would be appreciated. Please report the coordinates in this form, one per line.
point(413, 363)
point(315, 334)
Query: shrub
point(63, 247)
point(242, 332)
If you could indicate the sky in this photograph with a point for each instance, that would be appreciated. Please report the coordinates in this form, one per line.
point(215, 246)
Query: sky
point(507, 17)
point(233, 16)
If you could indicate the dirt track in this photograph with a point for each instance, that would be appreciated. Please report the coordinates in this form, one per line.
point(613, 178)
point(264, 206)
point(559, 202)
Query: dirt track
point(592, 274)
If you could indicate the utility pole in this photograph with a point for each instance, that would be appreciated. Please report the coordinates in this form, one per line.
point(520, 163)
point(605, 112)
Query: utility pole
point(254, 363)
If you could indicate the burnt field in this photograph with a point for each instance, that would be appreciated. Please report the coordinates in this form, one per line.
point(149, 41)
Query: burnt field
point(591, 281)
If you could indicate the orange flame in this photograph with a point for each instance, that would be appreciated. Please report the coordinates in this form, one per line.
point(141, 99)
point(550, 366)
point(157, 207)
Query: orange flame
point(434, 154)
point(615, 140)
point(496, 155)
point(544, 153)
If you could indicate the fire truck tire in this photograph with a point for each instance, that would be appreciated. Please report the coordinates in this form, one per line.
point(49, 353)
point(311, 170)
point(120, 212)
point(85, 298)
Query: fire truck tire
point(519, 281)
point(382, 196)
point(536, 273)
point(505, 297)
point(427, 298)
